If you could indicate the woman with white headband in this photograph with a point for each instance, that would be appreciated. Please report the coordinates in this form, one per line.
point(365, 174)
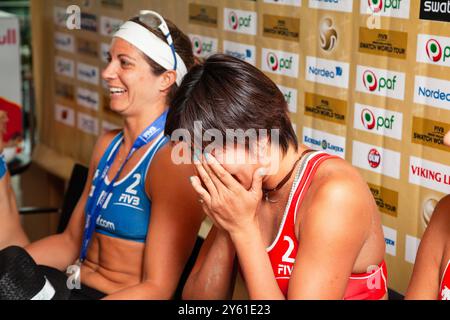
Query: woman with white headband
point(137, 219)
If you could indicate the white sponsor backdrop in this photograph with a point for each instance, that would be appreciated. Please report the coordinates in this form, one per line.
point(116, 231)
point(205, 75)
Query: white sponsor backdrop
point(348, 87)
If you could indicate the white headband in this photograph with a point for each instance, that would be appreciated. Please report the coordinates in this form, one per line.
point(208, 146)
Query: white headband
point(153, 47)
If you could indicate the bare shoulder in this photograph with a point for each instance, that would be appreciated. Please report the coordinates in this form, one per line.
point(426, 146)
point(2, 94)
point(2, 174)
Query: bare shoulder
point(165, 172)
point(338, 178)
point(441, 215)
point(337, 197)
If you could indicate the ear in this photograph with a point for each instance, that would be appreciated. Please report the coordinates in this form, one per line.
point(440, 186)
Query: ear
point(167, 79)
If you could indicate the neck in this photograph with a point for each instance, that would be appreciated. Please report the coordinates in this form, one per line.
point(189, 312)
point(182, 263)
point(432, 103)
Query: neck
point(136, 124)
point(286, 163)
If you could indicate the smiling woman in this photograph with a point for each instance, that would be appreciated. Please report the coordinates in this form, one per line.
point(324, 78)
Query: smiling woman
point(135, 240)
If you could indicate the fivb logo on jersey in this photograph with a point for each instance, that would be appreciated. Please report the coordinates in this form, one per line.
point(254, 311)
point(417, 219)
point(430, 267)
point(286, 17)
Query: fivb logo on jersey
point(280, 62)
point(203, 46)
point(386, 8)
point(380, 82)
point(378, 121)
point(240, 21)
point(433, 50)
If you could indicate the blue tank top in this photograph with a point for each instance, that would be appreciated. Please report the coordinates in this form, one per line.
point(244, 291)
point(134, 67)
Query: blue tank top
point(126, 212)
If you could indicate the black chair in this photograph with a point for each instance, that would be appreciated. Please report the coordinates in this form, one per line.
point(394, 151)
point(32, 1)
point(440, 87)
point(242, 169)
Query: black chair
point(74, 190)
point(73, 193)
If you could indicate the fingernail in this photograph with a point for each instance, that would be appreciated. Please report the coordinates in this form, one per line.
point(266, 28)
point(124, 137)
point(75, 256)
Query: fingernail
point(208, 156)
point(262, 171)
point(191, 179)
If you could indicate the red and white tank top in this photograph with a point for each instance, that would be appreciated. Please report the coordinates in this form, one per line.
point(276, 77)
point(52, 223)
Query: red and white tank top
point(282, 252)
point(444, 292)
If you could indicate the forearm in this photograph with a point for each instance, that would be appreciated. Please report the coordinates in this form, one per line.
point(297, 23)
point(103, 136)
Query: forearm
point(255, 265)
point(215, 278)
point(57, 251)
point(147, 290)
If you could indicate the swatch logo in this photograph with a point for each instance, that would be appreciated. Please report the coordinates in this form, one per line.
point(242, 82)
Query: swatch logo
point(374, 158)
point(328, 35)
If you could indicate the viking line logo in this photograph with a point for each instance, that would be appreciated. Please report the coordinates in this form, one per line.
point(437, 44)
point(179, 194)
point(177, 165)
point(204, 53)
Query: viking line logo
point(434, 50)
point(233, 20)
point(368, 119)
point(370, 80)
point(374, 158)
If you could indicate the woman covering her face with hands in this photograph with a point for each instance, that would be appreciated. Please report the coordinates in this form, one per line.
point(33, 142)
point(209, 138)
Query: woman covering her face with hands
point(300, 224)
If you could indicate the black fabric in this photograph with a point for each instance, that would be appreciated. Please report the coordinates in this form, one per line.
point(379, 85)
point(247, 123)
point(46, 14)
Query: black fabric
point(86, 293)
point(22, 279)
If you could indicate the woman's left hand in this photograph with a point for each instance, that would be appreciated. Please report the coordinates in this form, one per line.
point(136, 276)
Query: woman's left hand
point(225, 200)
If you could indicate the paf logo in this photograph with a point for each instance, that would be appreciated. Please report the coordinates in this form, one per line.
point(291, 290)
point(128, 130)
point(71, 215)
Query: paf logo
point(380, 82)
point(379, 121)
point(390, 8)
point(374, 158)
point(433, 49)
point(280, 62)
point(370, 80)
point(240, 21)
point(203, 46)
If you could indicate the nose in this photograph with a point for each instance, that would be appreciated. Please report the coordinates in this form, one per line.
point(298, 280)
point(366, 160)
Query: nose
point(110, 72)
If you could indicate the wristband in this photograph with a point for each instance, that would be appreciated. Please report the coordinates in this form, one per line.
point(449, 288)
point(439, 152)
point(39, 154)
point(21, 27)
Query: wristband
point(3, 167)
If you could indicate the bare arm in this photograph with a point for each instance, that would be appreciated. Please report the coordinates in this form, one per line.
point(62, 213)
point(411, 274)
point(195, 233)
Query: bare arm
point(174, 223)
point(424, 284)
point(214, 273)
point(61, 250)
